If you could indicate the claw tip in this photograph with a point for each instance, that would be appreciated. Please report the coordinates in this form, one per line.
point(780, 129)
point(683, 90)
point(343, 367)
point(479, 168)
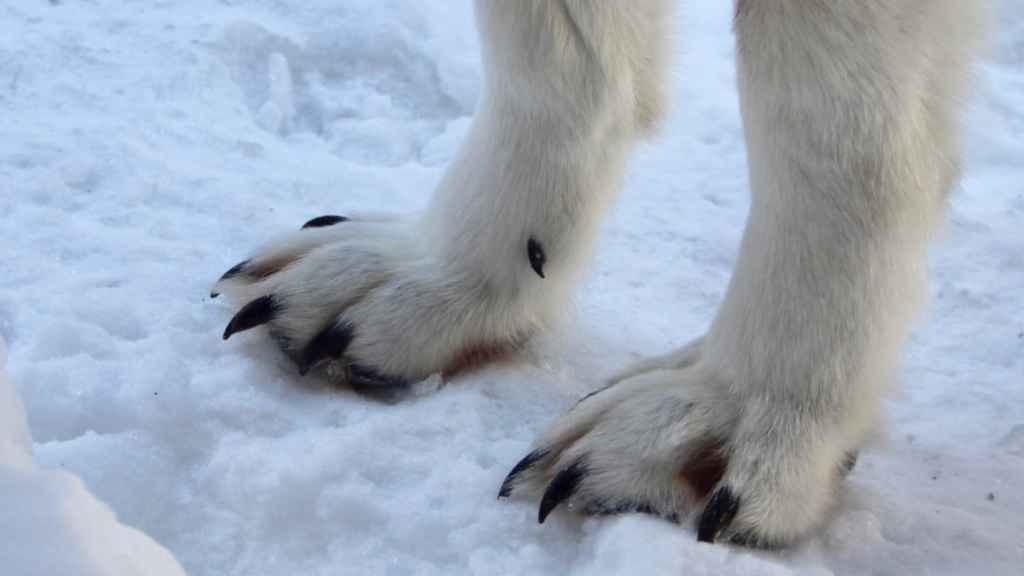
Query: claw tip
point(520, 467)
point(259, 311)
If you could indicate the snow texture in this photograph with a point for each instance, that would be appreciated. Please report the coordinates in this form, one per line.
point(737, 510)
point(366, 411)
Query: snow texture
point(148, 146)
point(50, 525)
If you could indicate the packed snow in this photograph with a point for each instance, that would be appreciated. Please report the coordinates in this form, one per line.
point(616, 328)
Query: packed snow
point(148, 146)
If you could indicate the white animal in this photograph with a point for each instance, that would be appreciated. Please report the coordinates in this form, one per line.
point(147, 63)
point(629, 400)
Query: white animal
point(851, 118)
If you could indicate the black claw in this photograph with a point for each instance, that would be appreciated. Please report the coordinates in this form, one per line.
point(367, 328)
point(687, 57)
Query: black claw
point(259, 311)
point(330, 343)
point(849, 463)
point(323, 221)
point(235, 270)
point(523, 465)
point(561, 489)
point(535, 252)
point(717, 515)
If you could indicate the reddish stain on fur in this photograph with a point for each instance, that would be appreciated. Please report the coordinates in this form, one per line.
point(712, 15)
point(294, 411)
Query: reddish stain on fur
point(476, 356)
point(704, 470)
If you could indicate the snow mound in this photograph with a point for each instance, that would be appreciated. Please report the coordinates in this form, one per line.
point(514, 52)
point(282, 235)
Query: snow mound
point(50, 524)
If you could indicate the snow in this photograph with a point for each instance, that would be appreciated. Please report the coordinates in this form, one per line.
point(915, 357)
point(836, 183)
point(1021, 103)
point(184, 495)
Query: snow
point(147, 147)
point(50, 524)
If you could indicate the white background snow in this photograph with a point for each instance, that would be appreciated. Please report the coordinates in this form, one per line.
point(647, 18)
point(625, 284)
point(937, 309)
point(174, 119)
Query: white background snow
point(145, 147)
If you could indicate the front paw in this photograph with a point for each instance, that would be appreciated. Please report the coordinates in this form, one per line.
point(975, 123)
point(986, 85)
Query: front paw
point(367, 301)
point(672, 442)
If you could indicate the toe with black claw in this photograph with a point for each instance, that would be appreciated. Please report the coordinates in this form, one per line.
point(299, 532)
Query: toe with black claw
point(718, 515)
point(231, 273)
point(563, 487)
point(522, 466)
point(255, 313)
point(329, 344)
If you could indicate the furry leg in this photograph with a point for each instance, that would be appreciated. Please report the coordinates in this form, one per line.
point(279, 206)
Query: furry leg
point(850, 116)
point(569, 88)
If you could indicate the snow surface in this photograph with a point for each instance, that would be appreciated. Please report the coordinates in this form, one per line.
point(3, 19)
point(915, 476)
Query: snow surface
point(148, 146)
point(50, 524)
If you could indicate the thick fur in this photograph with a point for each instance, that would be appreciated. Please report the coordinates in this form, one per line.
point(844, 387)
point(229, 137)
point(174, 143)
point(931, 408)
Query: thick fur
point(850, 112)
point(568, 90)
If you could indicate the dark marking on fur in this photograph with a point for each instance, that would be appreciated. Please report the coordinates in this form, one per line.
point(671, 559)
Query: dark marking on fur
point(324, 221)
point(717, 515)
point(849, 463)
point(535, 252)
point(259, 311)
point(525, 464)
point(329, 344)
point(563, 487)
point(284, 342)
point(704, 470)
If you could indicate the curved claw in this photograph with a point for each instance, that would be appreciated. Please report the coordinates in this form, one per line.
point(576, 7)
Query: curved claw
point(259, 311)
point(330, 343)
point(562, 488)
point(523, 465)
point(235, 270)
point(717, 515)
point(323, 221)
point(231, 273)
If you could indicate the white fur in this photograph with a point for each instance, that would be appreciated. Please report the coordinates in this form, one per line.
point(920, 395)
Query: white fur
point(569, 88)
point(850, 112)
point(850, 117)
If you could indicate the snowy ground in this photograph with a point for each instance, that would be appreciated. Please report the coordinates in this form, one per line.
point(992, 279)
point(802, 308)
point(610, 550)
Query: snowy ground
point(148, 146)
